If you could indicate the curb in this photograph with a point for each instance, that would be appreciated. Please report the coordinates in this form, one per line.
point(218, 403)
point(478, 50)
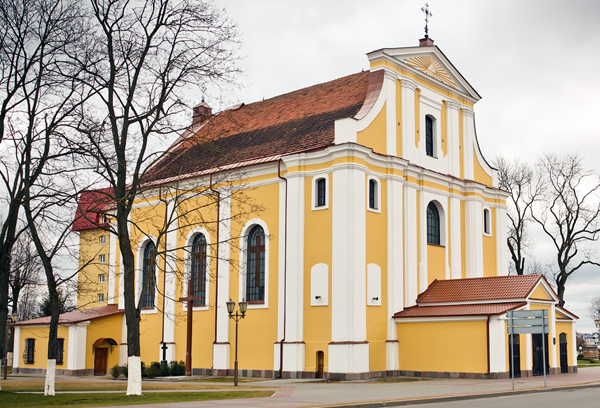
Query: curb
point(431, 400)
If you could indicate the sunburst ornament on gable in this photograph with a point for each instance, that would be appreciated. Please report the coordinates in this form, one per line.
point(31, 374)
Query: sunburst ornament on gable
point(429, 66)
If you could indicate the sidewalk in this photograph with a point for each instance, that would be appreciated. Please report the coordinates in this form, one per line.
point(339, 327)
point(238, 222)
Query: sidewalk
point(367, 394)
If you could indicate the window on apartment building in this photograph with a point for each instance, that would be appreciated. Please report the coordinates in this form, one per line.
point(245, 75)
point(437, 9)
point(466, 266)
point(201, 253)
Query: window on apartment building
point(102, 258)
point(429, 121)
point(255, 272)
point(101, 278)
point(487, 221)
point(29, 351)
point(103, 239)
point(100, 297)
point(148, 279)
point(199, 269)
point(60, 346)
point(433, 224)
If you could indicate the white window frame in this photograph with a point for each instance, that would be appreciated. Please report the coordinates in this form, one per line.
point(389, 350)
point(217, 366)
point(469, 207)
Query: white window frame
point(100, 278)
point(102, 239)
point(377, 208)
point(188, 266)
point(102, 258)
point(242, 262)
point(139, 275)
point(487, 234)
point(315, 195)
point(100, 297)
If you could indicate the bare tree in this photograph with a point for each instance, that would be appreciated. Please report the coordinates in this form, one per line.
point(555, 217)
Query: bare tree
point(594, 309)
point(148, 54)
point(517, 178)
point(568, 212)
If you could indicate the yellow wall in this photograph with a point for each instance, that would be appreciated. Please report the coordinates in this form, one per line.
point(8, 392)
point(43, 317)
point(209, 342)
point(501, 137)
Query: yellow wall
point(40, 357)
point(436, 268)
point(107, 327)
point(377, 254)
point(317, 249)
point(443, 346)
point(88, 284)
point(564, 328)
point(539, 293)
point(489, 248)
point(374, 136)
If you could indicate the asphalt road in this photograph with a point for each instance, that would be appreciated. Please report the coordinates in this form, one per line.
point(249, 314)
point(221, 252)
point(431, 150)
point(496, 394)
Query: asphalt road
point(587, 397)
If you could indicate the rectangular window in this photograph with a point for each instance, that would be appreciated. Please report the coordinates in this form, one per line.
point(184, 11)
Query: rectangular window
point(103, 239)
point(102, 259)
point(101, 278)
point(29, 351)
point(100, 297)
point(60, 345)
point(321, 192)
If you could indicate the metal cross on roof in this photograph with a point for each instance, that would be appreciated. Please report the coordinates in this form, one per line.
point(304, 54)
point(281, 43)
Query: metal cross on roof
point(425, 9)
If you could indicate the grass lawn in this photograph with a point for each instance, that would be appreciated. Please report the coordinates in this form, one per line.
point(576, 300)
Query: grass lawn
point(10, 399)
point(38, 385)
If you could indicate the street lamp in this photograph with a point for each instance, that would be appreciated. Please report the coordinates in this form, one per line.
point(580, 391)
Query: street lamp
point(13, 319)
point(243, 305)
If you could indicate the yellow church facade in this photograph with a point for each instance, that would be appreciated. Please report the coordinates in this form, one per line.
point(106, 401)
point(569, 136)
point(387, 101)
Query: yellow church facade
point(370, 241)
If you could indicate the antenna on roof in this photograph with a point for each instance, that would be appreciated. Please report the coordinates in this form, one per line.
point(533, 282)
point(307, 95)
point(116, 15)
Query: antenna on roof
point(425, 9)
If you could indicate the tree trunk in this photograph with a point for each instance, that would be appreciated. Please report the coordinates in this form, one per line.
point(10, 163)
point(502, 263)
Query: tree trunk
point(51, 368)
point(4, 281)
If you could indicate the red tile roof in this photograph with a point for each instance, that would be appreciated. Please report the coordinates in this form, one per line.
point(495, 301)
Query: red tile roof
point(77, 316)
point(459, 310)
point(298, 121)
point(479, 289)
point(89, 207)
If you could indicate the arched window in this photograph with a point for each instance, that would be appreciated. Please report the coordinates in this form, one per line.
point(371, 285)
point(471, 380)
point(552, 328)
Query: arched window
point(148, 280)
point(255, 266)
point(433, 224)
point(199, 269)
point(429, 135)
point(373, 204)
point(486, 221)
point(321, 186)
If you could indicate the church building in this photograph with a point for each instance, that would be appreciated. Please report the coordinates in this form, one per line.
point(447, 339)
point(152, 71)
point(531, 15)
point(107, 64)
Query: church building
point(358, 218)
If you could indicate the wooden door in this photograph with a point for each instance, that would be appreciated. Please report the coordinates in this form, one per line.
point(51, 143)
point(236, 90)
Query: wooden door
point(100, 361)
point(517, 350)
point(564, 361)
point(320, 364)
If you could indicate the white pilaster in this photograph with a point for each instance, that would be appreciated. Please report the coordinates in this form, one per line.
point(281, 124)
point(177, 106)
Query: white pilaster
point(170, 278)
point(17, 347)
point(423, 241)
point(77, 346)
point(111, 299)
point(411, 264)
point(221, 347)
point(574, 351)
point(501, 252)
point(408, 118)
point(497, 344)
point(348, 351)
point(474, 237)
point(469, 142)
point(453, 137)
point(395, 267)
point(553, 340)
point(455, 238)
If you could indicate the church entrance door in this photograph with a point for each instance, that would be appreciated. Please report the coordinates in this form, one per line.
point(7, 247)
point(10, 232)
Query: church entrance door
point(538, 362)
point(320, 364)
point(564, 362)
point(517, 350)
point(100, 361)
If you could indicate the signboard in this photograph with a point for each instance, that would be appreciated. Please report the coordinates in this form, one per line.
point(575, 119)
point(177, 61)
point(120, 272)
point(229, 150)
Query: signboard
point(528, 322)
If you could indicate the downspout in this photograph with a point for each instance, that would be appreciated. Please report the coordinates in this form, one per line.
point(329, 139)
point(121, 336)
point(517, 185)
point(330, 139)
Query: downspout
point(217, 257)
point(487, 333)
point(162, 341)
point(284, 271)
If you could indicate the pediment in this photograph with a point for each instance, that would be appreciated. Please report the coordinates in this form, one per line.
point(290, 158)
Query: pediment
point(430, 64)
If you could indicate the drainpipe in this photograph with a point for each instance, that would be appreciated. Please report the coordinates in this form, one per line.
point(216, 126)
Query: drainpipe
point(160, 198)
point(284, 272)
point(487, 332)
point(217, 257)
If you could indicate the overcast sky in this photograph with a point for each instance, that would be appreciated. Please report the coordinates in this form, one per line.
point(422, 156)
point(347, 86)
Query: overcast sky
point(536, 65)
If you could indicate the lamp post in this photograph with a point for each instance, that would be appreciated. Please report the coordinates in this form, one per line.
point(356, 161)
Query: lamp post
point(13, 319)
point(243, 305)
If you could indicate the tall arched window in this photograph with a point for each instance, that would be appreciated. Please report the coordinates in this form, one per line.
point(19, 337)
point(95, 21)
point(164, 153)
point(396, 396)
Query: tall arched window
point(433, 224)
point(255, 266)
point(199, 269)
point(429, 135)
point(148, 280)
point(487, 221)
point(321, 186)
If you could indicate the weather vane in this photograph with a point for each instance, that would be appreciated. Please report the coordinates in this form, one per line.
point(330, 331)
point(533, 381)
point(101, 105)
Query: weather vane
point(425, 9)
